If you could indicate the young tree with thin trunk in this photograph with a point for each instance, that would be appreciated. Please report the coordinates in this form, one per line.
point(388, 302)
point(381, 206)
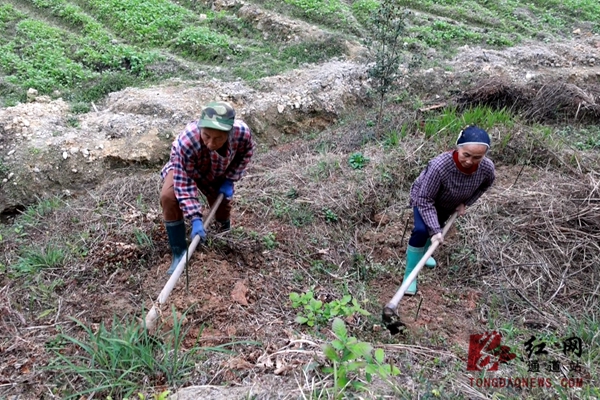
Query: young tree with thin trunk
point(387, 28)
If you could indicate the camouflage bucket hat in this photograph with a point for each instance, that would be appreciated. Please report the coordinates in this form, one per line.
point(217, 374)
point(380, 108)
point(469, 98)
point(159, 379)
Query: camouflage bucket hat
point(217, 115)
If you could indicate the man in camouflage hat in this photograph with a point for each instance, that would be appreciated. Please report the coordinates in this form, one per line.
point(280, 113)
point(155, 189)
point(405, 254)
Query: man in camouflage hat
point(209, 155)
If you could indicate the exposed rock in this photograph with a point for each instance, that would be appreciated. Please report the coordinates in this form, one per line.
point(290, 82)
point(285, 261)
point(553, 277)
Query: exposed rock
point(218, 5)
point(239, 292)
point(270, 387)
point(283, 29)
point(278, 27)
point(137, 126)
point(558, 60)
point(31, 94)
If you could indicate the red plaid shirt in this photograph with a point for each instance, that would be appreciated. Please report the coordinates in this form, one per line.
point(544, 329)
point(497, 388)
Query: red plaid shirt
point(196, 167)
point(441, 185)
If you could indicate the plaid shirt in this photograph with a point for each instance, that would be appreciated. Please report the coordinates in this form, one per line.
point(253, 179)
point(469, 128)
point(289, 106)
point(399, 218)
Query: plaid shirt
point(441, 185)
point(195, 166)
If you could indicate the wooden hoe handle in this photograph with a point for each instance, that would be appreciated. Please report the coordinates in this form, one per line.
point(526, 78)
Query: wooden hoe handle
point(152, 315)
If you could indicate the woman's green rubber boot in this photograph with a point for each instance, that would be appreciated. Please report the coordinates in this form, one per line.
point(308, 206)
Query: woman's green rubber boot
point(430, 263)
point(413, 256)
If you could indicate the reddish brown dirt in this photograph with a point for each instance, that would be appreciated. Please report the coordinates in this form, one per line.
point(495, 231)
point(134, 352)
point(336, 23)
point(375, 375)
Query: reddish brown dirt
point(450, 314)
point(220, 284)
point(239, 291)
point(232, 294)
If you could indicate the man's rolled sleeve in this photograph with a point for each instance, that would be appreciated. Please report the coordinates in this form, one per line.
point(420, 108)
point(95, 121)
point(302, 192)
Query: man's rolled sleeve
point(185, 188)
point(243, 155)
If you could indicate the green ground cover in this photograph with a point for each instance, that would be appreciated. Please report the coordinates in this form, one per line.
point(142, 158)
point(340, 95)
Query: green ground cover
point(105, 45)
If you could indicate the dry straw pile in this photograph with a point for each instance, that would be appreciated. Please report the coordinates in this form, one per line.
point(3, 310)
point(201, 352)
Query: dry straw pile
point(547, 101)
point(538, 243)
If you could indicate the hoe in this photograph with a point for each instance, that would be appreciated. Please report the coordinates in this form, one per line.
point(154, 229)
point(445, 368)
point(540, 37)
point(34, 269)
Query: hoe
point(153, 314)
point(389, 316)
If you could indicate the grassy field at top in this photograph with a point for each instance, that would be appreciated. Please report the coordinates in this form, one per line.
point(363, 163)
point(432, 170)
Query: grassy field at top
point(82, 50)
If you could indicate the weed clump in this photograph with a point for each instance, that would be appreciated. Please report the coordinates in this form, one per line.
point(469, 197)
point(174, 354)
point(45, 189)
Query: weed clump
point(119, 359)
point(552, 101)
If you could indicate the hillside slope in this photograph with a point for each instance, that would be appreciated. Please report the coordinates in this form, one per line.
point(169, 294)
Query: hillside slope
point(323, 210)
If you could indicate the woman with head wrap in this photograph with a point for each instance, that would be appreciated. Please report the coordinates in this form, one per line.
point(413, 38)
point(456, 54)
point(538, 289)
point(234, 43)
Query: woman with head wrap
point(451, 182)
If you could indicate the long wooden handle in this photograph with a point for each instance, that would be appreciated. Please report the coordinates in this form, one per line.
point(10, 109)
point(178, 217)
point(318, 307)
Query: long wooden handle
point(393, 304)
point(152, 315)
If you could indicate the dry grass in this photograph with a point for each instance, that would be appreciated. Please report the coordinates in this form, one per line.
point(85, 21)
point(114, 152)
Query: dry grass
point(534, 238)
point(556, 101)
point(537, 242)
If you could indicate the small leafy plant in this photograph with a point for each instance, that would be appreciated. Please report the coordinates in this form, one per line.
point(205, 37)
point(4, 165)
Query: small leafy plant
point(358, 160)
point(330, 216)
point(315, 312)
point(164, 395)
point(385, 41)
point(270, 241)
point(349, 358)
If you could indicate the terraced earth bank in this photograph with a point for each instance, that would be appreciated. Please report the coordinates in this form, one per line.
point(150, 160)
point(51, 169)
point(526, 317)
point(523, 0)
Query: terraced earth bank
point(81, 148)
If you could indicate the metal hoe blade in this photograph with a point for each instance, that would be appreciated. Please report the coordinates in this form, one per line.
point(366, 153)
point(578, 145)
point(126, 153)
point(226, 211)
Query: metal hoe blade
point(389, 315)
point(392, 321)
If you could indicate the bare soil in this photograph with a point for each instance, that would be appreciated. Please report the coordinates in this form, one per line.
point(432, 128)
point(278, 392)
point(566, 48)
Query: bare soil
point(238, 288)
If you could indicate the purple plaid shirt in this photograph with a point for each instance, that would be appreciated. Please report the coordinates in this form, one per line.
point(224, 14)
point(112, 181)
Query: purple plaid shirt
point(441, 185)
point(195, 166)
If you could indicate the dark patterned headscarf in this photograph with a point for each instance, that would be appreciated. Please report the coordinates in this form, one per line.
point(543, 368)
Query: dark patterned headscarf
point(473, 135)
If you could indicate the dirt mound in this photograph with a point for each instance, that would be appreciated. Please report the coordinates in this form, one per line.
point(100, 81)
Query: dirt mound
point(47, 149)
point(576, 61)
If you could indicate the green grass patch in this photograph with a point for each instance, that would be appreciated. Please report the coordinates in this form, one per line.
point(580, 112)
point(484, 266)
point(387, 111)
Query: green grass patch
point(33, 260)
point(393, 137)
point(202, 43)
point(320, 10)
point(36, 55)
point(582, 138)
point(334, 14)
point(9, 14)
point(42, 208)
point(444, 126)
point(312, 51)
point(89, 49)
point(121, 359)
point(441, 33)
point(498, 24)
point(362, 10)
point(295, 213)
point(151, 22)
point(255, 61)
